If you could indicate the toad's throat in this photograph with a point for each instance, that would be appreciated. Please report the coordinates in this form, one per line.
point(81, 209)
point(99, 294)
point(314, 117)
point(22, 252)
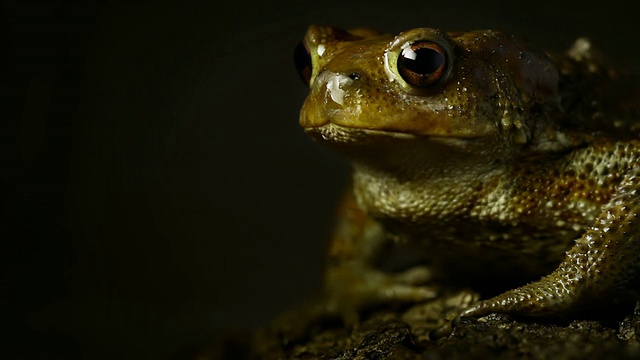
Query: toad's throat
point(405, 155)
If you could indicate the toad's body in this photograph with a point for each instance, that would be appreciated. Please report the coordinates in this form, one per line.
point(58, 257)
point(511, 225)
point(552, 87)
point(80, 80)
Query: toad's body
point(499, 161)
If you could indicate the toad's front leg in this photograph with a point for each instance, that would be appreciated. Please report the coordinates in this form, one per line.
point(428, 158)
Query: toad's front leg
point(600, 264)
point(352, 280)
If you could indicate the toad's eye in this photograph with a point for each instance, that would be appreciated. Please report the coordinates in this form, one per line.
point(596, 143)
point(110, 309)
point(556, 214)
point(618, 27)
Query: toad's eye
point(302, 61)
point(422, 64)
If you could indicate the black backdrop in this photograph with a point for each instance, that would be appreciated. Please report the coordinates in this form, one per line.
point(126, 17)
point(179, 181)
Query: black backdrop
point(156, 188)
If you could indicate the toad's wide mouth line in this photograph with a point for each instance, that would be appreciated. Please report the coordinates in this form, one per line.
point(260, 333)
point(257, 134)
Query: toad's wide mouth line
point(333, 132)
point(342, 134)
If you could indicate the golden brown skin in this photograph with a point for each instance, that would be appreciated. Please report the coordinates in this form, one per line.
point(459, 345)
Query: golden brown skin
point(511, 165)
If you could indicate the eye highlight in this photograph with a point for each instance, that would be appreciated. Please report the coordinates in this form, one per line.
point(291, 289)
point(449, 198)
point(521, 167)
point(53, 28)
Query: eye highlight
point(422, 64)
point(302, 61)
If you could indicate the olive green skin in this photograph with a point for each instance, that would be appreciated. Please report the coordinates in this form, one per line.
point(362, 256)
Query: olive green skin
point(517, 167)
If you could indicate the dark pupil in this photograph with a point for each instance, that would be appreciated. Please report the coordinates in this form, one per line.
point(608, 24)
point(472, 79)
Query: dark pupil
point(422, 61)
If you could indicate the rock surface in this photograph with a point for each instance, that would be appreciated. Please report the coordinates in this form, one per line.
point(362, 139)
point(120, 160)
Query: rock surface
point(403, 333)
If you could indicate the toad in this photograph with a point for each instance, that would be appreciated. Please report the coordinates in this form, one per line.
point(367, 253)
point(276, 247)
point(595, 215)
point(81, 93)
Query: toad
point(500, 166)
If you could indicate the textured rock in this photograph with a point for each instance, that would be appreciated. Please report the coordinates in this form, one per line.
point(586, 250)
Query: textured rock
point(404, 334)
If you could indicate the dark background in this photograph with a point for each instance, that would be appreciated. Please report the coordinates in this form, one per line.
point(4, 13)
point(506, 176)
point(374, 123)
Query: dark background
point(156, 188)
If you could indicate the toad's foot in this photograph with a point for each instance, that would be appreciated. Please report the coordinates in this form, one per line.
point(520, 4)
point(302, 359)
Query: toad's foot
point(563, 291)
point(557, 293)
point(349, 292)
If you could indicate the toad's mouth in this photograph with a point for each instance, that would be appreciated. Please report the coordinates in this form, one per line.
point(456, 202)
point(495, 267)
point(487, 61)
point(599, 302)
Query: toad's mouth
point(341, 134)
point(337, 134)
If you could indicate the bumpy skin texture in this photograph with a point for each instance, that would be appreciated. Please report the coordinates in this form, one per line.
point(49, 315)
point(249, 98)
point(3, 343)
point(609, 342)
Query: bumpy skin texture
point(517, 165)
